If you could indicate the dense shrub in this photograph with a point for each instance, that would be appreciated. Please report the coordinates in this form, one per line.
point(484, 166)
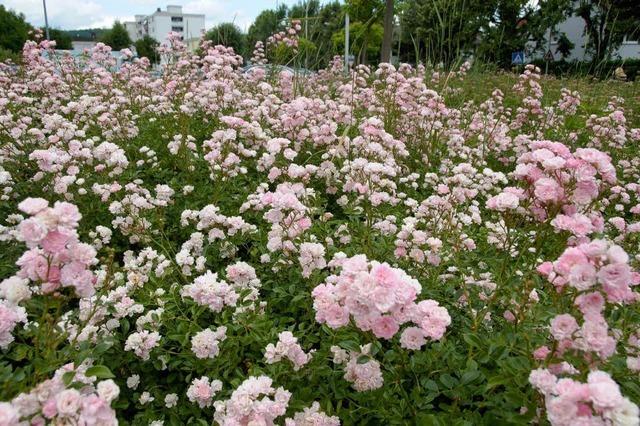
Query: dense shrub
point(269, 248)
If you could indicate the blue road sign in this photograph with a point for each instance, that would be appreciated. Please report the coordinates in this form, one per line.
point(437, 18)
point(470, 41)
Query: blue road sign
point(517, 58)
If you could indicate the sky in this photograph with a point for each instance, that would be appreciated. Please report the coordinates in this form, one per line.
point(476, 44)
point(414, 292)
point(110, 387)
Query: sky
point(78, 14)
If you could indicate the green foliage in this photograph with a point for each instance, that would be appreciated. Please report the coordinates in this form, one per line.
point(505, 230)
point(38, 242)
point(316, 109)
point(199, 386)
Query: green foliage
point(362, 37)
point(606, 24)
point(117, 37)
point(14, 30)
point(266, 23)
point(89, 34)
point(8, 55)
point(601, 70)
point(444, 30)
point(62, 38)
point(228, 34)
point(565, 46)
point(146, 48)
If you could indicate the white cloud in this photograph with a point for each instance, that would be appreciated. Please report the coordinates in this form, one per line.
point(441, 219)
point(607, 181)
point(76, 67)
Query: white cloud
point(106, 21)
point(61, 13)
point(76, 14)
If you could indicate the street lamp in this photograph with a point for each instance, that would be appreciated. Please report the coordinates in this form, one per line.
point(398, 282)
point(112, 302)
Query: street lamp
point(46, 20)
point(346, 43)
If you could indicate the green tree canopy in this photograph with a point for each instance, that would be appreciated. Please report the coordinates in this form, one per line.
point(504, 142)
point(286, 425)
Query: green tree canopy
point(117, 37)
point(14, 30)
point(62, 38)
point(228, 34)
point(267, 22)
point(607, 22)
point(146, 48)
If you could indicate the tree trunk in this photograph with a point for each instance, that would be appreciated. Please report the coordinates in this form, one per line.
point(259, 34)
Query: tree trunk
point(387, 39)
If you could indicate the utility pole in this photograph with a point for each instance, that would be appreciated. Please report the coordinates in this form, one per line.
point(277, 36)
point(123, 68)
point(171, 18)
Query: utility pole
point(546, 60)
point(306, 33)
point(346, 43)
point(399, 35)
point(46, 20)
point(387, 38)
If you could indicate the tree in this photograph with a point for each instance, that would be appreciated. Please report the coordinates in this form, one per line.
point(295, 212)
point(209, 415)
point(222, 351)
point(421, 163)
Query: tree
point(117, 37)
point(267, 23)
point(606, 24)
point(146, 48)
point(510, 25)
point(319, 24)
point(565, 46)
point(14, 30)
point(62, 38)
point(385, 54)
point(367, 13)
point(228, 34)
point(443, 31)
point(366, 40)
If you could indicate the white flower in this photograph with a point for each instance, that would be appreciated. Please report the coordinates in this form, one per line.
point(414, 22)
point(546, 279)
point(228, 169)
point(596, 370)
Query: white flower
point(15, 289)
point(171, 400)
point(626, 414)
point(108, 390)
point(133, 381)
point(145, 398)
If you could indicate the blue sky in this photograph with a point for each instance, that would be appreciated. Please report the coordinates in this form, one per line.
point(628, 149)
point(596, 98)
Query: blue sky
point(73, 14)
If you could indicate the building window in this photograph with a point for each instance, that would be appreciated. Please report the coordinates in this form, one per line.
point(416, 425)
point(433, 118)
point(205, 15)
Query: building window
point(176, 19)
point(176, 29)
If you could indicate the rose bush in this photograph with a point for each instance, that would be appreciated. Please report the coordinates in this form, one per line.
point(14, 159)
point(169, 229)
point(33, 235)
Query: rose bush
point(212, 246)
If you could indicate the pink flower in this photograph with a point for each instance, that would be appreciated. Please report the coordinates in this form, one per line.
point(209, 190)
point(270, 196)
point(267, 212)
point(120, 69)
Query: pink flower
point(548, 191)
point(203, 390)
point(503, 202)
point(603, 391)
point(543, 380)
point(9, 415)
point(32, 206)
point(32, 231)
point(55, 241)
point(563, 327)
point(541, 353)
point(412, 338)
point(385, 327)
point(68, 402)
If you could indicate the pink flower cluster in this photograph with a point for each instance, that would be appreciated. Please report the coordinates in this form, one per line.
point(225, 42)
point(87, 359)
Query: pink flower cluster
point(205, 344)
point(51, 402)
point(312, 416)
point(594, 265)
point(10, 316)
point(55, 257)
point(595, 273)
point(289, 348)
point(203, 390)
point(380, 299)
point(141, 343)
point(255, 401)
point(559, 185)
point(596, 402)
point(311, 258)
point(286, 212)
point(289, 37)
point(208, 290)
point(363, 376)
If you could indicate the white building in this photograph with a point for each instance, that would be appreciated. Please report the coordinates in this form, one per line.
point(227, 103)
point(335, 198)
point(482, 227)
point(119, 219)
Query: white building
point(573, 28)
point(160, 23)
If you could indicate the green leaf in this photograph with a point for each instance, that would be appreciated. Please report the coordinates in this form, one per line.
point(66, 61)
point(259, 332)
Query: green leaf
point(363, 359)
point(448, 381)
point(100, 371)
point(350, 345)
point(67, 377)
